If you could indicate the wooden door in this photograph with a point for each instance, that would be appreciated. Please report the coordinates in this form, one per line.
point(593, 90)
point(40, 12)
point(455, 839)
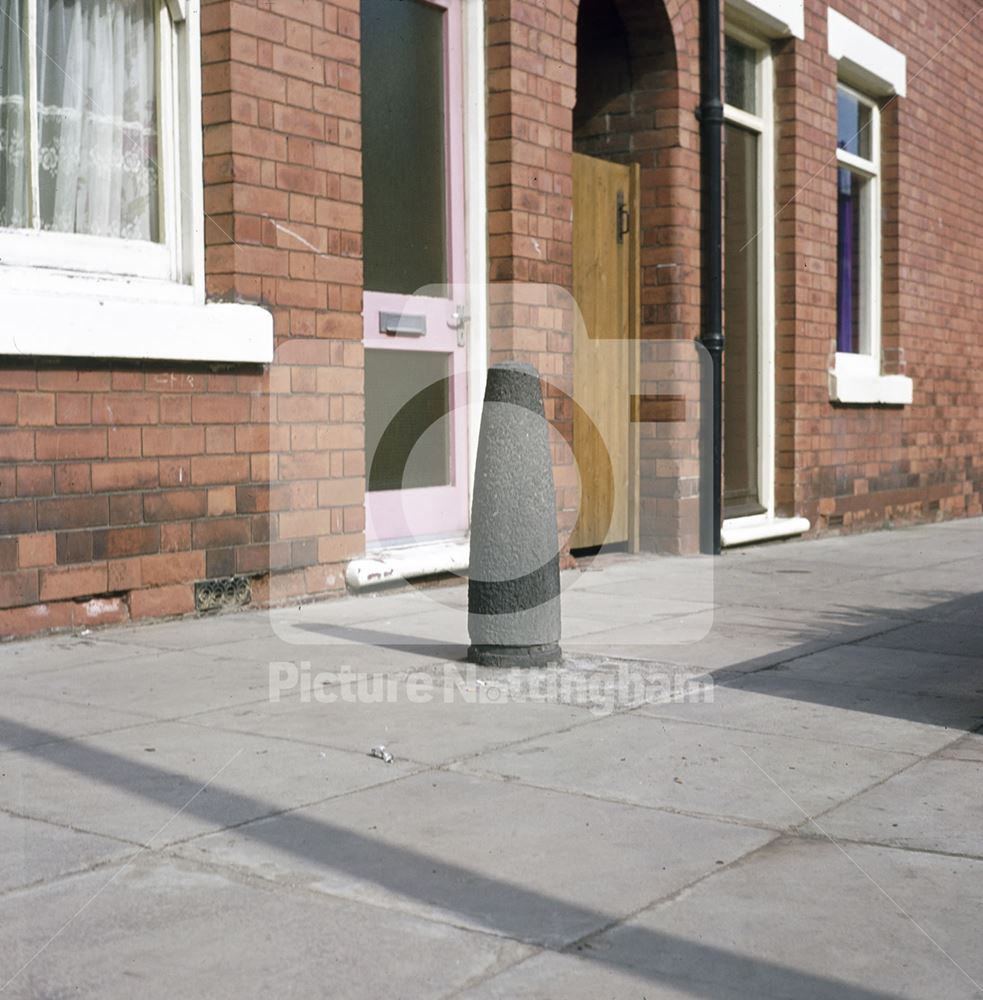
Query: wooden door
point(605, 268)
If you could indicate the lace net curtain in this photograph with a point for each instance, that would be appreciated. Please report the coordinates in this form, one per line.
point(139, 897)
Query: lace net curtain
point(96, 118)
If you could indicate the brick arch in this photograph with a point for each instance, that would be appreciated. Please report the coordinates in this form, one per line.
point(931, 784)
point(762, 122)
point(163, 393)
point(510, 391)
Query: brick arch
point(681, 18)
point(532, 81)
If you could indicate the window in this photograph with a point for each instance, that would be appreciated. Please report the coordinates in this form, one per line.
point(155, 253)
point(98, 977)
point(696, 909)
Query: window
point(869, 71)
point(858, 225)
point(405, 196)
point(85, 103)
point(101, 216)
point(748, 278)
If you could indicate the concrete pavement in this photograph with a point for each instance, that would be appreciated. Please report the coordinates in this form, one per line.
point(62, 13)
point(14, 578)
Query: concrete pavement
point(760, 776)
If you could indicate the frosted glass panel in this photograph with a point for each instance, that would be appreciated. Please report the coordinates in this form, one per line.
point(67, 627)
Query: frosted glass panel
point(407, 427)
point(403, 156)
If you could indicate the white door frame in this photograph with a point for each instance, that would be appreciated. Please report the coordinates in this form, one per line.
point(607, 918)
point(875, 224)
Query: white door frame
point(475, 217)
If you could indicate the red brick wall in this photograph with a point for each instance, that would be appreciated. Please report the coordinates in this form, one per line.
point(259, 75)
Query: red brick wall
point(852, 467)
point(123, 483)
point(531, 77)
point(842, 466)
point(128, 482)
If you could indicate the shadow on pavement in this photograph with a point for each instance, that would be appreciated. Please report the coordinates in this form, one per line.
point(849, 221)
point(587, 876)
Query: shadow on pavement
point(498, 906)
point(503, 907)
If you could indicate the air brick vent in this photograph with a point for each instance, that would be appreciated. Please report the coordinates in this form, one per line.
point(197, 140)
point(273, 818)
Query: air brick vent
point(226, 592)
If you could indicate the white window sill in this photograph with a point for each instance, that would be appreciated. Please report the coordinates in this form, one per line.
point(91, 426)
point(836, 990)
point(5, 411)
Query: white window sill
point(760, 528)
point(150, 320)
point(407, 562)
point(855, 379)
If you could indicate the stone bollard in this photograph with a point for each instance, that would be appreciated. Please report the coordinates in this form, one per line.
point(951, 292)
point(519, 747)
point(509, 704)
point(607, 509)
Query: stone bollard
point(514, 585)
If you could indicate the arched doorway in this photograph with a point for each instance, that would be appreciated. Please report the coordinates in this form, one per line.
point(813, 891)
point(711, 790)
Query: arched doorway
point(625, 72)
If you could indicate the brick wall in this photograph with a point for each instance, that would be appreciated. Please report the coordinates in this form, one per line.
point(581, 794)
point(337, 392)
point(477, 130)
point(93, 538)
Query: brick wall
point(123, 484)
point(531, 76)
point(853, 467)
point(844, 467)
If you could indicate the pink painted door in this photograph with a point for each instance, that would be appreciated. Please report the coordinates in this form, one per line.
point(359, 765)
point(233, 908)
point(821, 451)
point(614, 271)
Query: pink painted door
point(414, 328)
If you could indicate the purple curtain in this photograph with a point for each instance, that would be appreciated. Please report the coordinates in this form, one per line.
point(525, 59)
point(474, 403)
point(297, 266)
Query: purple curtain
point(844, 265)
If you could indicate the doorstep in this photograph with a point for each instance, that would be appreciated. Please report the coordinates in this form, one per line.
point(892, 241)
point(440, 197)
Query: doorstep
point(407, 562)
point(760, 528)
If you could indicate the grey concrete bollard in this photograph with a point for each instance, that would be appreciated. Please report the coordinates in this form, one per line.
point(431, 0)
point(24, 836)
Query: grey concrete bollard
point(514, 585)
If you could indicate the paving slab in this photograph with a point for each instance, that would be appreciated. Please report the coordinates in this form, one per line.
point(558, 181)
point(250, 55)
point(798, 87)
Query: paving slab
point(970, 747)
point(948, 637)
point(707, 641)
point(210, 630)
point(162, 782)
point(361, 646)
point(420, 716)
point(910, 671)
point(368, 607)
point(917, 590)
point(872, 553)
point(967, 610)
point(596, 604)
point(289, 862)
point(649, 577)
point(32, 852)
point(695, 769)
point(27, 721)
point(432, 624)
point(936, 805)
point(162, 929)
point(658, 572)
point(539, 866)
point(152, 684)
point(796, 919)
point(793, 705)
point(37, 656)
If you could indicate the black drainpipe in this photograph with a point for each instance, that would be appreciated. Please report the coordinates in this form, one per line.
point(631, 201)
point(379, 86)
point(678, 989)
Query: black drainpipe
point(712, 337)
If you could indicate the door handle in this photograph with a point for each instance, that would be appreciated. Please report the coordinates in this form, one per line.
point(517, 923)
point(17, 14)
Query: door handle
point(623, 218)
point(459, 321)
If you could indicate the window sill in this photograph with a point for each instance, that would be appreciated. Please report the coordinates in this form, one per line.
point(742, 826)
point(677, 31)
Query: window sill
point(855, 379)
point(112, 318)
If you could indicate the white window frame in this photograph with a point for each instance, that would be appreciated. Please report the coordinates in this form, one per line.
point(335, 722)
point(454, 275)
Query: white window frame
point(33, 247)
point(761, 125)
point(868, 69)
point(868, 358)
point(760, 527)
point(73, 295)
